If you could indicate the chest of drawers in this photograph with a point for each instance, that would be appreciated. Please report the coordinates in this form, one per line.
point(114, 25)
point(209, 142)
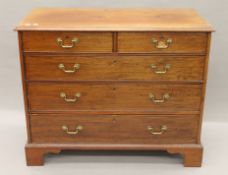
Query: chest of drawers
point(114, 79)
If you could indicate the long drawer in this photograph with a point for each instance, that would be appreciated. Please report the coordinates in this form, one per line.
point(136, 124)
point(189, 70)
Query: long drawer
point(162, 42)
point(163, 98)
point(67, 41)
point(113, 129)
point(74, 68)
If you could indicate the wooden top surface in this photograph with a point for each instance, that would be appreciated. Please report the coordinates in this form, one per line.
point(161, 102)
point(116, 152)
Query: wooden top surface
point(60, 19)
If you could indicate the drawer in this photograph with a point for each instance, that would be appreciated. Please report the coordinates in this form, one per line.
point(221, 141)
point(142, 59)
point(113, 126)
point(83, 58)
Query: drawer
point(67, 41)
point(125, 97)
point(113, 129)
point(162, 42)
point(74, 68)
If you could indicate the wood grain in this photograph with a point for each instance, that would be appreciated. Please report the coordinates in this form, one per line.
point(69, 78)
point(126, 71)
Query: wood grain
point(115, 68)
point(192, 153)
point(114, 51)
point(88, 42)
point(203, 97)
point(24, 85)
point(35, 156)
point(114, 129)
point(131, 19)
point(142, 42)
point(114, 96)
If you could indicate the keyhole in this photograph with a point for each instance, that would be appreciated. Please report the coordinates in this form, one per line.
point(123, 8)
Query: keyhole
point(114, 120)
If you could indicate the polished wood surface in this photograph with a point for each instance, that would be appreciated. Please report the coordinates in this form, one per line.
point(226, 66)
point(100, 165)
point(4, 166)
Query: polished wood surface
point(97, 68)
point(191, 153)
point(88, 42)
point(114, 129)
point(203, 97)
point(24, 85)
point(132, 19)
point(114, 96)
point(35, 156)
point(114, 50)
point(181, 42)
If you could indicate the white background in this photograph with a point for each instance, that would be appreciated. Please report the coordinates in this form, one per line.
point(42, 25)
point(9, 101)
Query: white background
point(12, 123)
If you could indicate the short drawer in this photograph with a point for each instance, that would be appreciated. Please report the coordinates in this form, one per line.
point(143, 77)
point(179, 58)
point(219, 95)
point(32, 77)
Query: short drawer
point(76, 68)
point(67, 41)
point(113, 129)
point(162, 42)
point(125, 97)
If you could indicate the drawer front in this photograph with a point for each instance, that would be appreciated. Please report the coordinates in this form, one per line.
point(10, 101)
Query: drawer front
point(67, 41)
point(68, 68)
point(110, 129)
point(165, 42)
point(143, 97)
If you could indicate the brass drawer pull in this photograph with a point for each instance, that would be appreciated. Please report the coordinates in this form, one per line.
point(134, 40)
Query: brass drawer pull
point(162, 44)
point(70, 100)
point(60, 43)
point(166, 67)
point(75, 67)
point(165, 97)
point(162, 130)
point(77, 130)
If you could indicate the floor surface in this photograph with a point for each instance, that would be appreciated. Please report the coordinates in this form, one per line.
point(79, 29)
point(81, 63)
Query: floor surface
point(12, 159)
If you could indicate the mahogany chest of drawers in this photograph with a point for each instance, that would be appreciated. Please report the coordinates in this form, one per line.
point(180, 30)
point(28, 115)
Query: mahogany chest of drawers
point(114, 79)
